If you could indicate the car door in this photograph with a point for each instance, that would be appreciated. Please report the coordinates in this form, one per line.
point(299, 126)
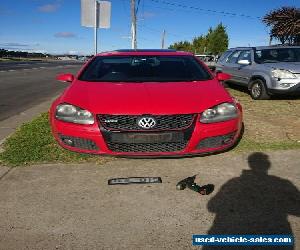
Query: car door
point(221, 65)
point(231, 66)
point(243, 71)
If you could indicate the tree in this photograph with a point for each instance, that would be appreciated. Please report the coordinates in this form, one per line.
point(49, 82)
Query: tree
point(185, 46)
point(199, 44)
point(284, 24)
point(24, 54)
point(215, 41)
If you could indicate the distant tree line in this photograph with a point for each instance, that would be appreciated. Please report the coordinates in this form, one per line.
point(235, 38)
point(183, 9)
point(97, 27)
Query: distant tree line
point(214, 42)
point(23, 54)
point(285, 25)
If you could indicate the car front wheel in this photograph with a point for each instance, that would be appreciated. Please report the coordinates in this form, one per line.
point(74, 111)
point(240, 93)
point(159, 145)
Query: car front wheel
point(258, 90)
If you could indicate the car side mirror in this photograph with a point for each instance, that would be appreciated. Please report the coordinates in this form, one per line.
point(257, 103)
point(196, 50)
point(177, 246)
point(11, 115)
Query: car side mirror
point(244, 62)
point(65, 77)
point(222, 76)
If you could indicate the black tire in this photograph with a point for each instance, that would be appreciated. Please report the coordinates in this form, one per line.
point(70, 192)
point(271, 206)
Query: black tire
point(258, 90)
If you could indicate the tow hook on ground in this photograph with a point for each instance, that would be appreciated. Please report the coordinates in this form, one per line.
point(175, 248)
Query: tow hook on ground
point(190, 183)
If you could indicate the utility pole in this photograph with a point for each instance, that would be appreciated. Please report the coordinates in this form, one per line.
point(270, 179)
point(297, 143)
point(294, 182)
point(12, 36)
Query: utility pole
point(133, 25)
point(163, 39)
point(96, 26)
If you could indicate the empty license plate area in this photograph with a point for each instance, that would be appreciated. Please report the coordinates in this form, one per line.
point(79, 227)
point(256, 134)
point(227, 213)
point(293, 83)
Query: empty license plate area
point(146, 137)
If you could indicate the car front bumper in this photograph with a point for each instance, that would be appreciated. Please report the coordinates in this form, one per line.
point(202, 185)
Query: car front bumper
point(203, 139)
point(294, 90)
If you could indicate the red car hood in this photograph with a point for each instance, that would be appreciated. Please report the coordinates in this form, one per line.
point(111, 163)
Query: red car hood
point(146, 98)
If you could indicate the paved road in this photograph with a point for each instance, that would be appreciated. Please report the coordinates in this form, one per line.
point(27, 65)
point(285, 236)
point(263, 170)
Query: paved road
point(57, 206)
point(28, 65)
point(22, 89)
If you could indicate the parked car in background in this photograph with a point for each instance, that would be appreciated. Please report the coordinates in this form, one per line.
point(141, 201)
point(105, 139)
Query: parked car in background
point(209, 60)
point(265, 71)
point(146, 102)
point(83, 58)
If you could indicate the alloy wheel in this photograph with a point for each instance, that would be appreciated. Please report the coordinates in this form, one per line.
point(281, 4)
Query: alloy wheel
point(256, 90)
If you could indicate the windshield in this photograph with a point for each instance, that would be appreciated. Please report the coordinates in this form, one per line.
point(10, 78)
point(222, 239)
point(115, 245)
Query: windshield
point(144, 69)
point(277, 55)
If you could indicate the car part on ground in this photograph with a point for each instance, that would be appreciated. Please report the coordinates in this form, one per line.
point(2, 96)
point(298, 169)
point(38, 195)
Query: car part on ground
point(265, 71)
point(190, 183)
point(134, 180)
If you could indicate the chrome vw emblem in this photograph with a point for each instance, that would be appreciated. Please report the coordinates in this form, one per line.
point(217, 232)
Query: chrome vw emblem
point(146, 122)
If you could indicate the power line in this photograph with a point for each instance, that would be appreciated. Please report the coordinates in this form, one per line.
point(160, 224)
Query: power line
point(159, 31)
point(232, 14)
point(137, 7)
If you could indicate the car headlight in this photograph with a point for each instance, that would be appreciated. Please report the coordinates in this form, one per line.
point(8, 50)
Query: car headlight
point(70, 113)
point(223, 112)
point(282, 73)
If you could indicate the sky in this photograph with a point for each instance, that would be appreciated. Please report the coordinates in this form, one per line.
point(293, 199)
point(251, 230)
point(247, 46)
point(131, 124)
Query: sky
point(53, 26)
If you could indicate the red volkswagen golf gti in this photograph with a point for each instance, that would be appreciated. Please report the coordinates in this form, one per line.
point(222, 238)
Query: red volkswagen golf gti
point(147, 103)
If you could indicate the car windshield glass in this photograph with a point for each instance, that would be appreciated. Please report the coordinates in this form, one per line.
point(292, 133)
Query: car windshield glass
point(277, 55)
point(144, 69)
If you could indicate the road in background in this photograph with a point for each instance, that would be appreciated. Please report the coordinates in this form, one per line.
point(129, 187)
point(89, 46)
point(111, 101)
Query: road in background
point(38, 64)
point(22, 89)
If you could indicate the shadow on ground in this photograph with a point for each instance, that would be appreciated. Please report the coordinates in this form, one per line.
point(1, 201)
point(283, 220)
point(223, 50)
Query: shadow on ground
point(254, 203)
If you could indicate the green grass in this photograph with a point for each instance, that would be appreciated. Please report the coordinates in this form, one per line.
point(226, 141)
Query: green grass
point(34, 143)
point(247, 144)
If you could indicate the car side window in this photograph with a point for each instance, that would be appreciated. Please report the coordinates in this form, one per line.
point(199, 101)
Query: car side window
point(224, 56)
point(245, 55)
point(234, 57)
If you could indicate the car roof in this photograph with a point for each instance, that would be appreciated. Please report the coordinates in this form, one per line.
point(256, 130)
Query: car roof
point(277, 47)
point(127, 52)
point(266, 47)
point(241, 48)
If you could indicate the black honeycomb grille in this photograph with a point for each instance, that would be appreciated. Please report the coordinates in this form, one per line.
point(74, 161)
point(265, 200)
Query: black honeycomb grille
point(129, 122)
point(78, 142)
point(147, 147)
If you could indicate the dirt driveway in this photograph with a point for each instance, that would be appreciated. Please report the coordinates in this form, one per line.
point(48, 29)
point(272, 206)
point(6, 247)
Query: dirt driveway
point(72, 207)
